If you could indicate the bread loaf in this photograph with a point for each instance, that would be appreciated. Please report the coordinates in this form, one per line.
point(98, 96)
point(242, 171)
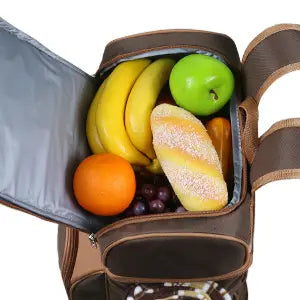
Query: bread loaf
point(188, 158)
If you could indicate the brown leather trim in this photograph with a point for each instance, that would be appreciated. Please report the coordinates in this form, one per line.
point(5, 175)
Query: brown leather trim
point(13, 206)
point(61, 243)
point(243, 269)
point(294, 122)
point(249, 135)
point(252, 220)
point(274, 176)
point(278, 151)
point(222, 225)
point(163, 31)
point(167, 216)
point(145, 42)
point(146, 50)
point(69, 257)
point(274, 76)
point(74, 284)
point(88, 259)
point(267, 32)
point(230, 275)
point(271, 58)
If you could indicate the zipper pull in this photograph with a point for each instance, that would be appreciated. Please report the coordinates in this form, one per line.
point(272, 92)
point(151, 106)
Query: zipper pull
point(93, 240)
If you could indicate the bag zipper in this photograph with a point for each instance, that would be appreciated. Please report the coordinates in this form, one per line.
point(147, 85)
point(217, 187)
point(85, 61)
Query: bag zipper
point(93, 240)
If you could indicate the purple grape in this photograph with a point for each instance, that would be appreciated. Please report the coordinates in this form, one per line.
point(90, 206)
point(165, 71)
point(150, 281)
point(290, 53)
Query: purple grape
point(180, 209)
point(138, 198)
point(129, 212)
point(138, 193)
point(148, 191)
point(175, 200)
point(164, 194)
point(139, 208)
point(156, 206)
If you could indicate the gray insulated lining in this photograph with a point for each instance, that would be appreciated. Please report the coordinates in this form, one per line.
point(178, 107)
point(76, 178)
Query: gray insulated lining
point(43, 106)
point(233, 111)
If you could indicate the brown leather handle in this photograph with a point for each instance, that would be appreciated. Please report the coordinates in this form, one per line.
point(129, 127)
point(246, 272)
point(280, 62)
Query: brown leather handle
point(278, 154)
point(274, 156)
point(272, 54)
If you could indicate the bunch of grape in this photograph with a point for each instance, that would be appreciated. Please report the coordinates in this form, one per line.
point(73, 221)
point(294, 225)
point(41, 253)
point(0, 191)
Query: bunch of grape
point(154, 198)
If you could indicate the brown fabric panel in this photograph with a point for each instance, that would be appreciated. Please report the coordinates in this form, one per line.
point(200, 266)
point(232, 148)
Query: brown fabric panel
point(61, 239)
point(271, 54)
point(294, 122)
point(274, 176)
point(277, 151)
point(117, 290)
point(242, 294)
point(217, 43)
point(69, 256)
point(236, 224)
point(267, 32)
point(90, 288)
point(88, 259)
point(173, 257)
point(236, 287)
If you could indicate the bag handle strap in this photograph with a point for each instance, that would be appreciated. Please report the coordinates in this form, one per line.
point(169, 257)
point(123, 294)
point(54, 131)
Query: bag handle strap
point(275, 155)
point(272, 54)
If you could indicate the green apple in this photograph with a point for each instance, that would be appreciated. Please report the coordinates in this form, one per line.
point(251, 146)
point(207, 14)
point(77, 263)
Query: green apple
point(201, 84)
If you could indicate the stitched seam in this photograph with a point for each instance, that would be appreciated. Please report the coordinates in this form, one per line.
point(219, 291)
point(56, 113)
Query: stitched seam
point(251, 229)
point(167, 216)
point(22, 205)
point(275, 75)
point(80, 280)
point(287, 123)
point(171, 234)
point(164, 31)
point(276, 175)
point(229, 275)
point(134, 53)
point(241, 270)
point(71, 247)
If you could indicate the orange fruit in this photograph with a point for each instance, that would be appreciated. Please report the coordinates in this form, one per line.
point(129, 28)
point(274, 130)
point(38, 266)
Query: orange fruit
point(104, 184)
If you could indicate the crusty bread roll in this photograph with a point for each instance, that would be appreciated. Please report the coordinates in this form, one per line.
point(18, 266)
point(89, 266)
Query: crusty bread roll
point(188, 158)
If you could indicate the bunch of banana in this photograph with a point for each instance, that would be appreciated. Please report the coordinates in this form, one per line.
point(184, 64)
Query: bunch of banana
point(119, 116)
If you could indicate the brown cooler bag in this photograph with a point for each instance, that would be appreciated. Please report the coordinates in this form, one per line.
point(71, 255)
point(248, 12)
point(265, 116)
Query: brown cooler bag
point(191, 255)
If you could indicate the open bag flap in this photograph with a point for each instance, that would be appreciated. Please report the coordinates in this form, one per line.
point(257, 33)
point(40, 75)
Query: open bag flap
point(43, 107)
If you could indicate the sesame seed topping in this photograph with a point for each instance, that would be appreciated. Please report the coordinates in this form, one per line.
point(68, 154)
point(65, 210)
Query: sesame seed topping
point(172, 136)
point(195, 183)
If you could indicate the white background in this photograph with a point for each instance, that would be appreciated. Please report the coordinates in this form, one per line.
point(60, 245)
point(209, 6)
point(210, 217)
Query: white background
point(78, 31)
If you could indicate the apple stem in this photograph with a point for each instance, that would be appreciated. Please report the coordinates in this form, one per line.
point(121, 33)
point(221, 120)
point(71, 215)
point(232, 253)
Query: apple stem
point(215, 94)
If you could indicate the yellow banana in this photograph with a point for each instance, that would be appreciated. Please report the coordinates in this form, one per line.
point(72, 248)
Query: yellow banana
point(91, 129)
point(141, 101)
point(111, 110)
point(155, 167)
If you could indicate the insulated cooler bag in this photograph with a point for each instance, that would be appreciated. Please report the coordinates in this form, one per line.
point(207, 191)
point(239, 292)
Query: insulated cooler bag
point(193, 255)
